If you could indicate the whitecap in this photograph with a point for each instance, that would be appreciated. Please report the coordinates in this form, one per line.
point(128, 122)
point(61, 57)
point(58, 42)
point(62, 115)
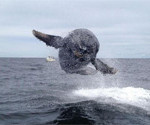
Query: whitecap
point(128, 95)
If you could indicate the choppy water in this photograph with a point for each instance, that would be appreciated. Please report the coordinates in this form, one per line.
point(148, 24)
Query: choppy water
point(36, 92)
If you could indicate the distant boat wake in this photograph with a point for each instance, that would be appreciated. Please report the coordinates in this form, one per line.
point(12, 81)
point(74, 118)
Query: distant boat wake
point(138, 97)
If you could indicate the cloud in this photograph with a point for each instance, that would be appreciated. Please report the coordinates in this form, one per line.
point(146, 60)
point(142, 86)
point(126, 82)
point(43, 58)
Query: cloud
point(116, 23)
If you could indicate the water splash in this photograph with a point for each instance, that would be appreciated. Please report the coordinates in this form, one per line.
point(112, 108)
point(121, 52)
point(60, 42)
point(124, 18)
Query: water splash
point(129, 95)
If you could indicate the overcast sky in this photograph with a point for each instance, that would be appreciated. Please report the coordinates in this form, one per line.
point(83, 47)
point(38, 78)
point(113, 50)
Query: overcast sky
point(121, 26)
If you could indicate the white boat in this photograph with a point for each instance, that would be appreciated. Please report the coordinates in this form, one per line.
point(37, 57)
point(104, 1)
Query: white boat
point(50, 59)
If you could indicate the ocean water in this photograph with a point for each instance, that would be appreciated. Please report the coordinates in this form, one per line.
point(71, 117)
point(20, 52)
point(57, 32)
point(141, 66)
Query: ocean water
point(36, 92)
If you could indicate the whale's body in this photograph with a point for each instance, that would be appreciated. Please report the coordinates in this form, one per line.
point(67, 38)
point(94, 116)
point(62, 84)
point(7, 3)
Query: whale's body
point(78, 41)
point(76, 51)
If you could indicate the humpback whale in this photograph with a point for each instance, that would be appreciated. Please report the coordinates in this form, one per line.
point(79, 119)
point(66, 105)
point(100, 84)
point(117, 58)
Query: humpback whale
point(76, 51)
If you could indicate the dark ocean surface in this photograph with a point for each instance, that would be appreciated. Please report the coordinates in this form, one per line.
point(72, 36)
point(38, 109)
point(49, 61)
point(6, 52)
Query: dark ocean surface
point(36, 92)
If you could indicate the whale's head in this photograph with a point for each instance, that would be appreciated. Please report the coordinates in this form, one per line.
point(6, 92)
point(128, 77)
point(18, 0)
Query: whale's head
point(83, 52)
point(85, 44)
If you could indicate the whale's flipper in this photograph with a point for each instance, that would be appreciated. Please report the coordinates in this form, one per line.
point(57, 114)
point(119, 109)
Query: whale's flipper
point(50, 40)
point(102, 67)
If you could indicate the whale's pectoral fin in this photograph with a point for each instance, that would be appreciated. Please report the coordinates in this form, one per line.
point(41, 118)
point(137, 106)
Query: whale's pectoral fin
point(50, 40)
point(102, 67)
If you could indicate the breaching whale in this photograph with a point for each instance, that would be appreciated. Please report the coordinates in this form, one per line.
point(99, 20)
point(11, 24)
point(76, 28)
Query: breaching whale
point(76, 51)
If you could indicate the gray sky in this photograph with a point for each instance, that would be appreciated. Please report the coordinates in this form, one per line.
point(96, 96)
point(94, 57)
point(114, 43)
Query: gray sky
point(122, 26)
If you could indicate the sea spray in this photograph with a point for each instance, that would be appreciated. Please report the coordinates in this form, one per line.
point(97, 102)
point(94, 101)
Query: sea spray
point(128, 95)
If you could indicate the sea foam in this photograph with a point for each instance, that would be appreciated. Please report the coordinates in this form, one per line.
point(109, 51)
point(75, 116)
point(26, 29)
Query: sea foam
point(128, 95)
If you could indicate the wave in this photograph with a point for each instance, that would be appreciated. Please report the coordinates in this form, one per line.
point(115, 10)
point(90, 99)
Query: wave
point(129, 95)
